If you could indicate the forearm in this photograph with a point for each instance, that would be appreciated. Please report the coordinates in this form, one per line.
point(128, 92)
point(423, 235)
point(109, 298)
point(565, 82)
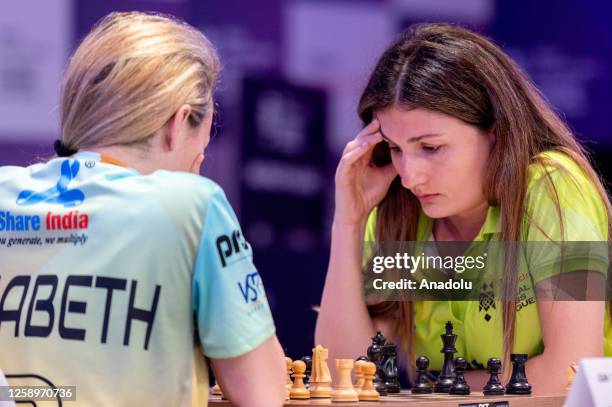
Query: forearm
point(255, 379)
point(547, 374)
point(344, 325)
point(547, 377)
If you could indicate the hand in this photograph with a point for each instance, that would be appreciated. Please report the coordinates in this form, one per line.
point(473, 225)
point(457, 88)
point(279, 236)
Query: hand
point(360, 185)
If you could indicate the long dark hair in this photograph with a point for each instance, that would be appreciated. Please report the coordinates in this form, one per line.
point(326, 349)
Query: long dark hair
point(457, 72)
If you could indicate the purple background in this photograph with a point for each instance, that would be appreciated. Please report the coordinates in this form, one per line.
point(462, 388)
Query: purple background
point(551, 42)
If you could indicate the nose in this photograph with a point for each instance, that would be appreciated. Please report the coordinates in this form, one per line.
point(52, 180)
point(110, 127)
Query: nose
point(411, 172)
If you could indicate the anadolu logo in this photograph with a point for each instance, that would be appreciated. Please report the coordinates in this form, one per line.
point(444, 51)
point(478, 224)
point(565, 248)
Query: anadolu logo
point(58, 194)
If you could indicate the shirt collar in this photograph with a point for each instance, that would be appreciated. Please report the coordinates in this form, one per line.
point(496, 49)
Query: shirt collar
point(103, 158)
point(491, 226)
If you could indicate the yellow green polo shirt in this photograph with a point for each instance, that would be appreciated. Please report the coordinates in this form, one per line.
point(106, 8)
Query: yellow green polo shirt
point(479, 325)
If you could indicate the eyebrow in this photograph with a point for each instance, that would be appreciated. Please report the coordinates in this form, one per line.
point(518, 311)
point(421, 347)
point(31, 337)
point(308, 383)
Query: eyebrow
point(411, 140)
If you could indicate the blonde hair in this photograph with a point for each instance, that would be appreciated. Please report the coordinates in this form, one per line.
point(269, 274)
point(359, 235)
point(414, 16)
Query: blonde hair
point(130, 75)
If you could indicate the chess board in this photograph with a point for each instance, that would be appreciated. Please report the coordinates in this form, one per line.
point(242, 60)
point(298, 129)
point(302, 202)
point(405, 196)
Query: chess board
point(406, 399)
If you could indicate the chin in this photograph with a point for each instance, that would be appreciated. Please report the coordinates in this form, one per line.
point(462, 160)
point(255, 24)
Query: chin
point(435, 211)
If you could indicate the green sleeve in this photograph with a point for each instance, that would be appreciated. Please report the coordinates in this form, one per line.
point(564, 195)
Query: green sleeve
point(570, 236)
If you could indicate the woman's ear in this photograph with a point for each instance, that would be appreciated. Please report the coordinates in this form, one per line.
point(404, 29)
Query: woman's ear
point(492, 138)
point(176, 127)
point(492, 135)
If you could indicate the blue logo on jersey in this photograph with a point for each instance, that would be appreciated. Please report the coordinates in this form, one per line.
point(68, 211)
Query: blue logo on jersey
point(252, 288)
point(59, 194)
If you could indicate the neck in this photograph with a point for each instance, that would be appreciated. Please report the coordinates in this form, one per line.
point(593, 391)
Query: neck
point(135, 158)
point(461, 227)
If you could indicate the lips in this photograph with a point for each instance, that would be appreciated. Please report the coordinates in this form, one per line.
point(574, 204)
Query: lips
point(426, 197)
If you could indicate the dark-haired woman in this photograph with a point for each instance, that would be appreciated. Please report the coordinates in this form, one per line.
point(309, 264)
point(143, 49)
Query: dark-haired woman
point(476, 155)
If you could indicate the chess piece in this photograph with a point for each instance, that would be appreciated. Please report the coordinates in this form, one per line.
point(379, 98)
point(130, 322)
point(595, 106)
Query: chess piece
point(320, 378)
point(364, 358)
point(447, 375)
point(299, 390)
point(494, 387)
point(422, 385)
point(289, 363)
point(344, 390)
point(375, 355)
point(308, 361)
point(460, 386)
point(216, 389)
point(389, 367)
point(368, 392)
point(518, 383)
point(359, 378)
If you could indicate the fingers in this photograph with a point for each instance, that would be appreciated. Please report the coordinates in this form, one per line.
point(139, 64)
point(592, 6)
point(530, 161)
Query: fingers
point(367, 131)
point(359, 150)
point(372, 127)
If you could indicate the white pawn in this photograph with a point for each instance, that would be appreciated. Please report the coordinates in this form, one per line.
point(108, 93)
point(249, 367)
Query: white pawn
point(299, 390)
point(368, 392)
point(359, 374)
point(344, 390)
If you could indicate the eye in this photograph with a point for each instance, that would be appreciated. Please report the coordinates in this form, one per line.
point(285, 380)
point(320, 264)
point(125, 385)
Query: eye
point(430, 148)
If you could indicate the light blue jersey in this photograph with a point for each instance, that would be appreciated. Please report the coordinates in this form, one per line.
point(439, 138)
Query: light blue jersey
point(118, 283)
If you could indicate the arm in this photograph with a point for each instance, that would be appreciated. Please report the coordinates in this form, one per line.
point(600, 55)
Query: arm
point(344, 313)
point(571, 331)
point(233, 319)
point(256, 378)
point(344, 325)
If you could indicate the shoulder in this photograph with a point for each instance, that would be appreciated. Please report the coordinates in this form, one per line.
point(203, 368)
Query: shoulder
point(557, 165)
point(560, 191)
point(555, 175)
point(184, 185)
point(12, 172)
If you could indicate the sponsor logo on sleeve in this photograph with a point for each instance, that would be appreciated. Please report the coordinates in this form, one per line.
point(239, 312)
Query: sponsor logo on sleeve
point(232, 248)
point(252, 288)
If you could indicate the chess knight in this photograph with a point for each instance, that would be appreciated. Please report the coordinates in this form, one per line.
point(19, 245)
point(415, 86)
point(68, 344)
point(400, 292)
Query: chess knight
point(320, 378)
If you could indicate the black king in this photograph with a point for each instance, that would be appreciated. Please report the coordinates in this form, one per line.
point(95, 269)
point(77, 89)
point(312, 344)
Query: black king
point(447, 375)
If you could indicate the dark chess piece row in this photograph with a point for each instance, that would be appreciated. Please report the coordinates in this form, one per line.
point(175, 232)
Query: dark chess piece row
point(518, 383)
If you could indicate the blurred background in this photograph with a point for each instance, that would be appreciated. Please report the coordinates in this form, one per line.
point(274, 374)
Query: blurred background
point(292, 74)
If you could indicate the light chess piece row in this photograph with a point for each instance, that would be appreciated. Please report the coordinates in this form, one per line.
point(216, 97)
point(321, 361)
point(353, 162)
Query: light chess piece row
point(320, 379)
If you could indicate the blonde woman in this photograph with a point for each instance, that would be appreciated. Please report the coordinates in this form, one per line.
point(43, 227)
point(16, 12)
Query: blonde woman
point(474, 155)
point(123, 270)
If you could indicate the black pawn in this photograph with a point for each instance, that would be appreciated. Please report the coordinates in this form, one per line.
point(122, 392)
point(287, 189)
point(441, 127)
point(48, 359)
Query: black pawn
point(308, 361)
point(422, 385)
point(460, 386)
point(447, 375)
point(493, 386)
point(518, 383)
